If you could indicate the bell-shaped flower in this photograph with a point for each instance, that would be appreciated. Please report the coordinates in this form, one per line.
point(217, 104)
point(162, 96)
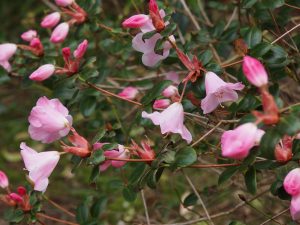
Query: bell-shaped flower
point(150, 57)
point(295, 207)
point(3, 180)
point(161, 103)
point(49, 120)
point(218, 91)
point(129, 93)
point(51, 20)
point(29, 35)
point(120, 153)
point(43, 72)
point(64, 3)
point(237, 143)
point(39, 165)
point(7, 50)
point(170, 120)
point(60, 33)
point(135, 21)
point(291, 182)
point(255, 71)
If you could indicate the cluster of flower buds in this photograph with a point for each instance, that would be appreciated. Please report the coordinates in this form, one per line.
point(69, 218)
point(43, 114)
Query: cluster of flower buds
point(148, 23)
point(71, 64)
point(19, 199)
point(70, 8)
point(257, 75)
point(35, 45)
point(292, 187)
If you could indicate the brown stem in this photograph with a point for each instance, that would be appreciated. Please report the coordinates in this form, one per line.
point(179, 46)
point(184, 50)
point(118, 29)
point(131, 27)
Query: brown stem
point(59, 207)
point(231, 64)
point(41, 215)
point(183, 91)
point(289, 31)
point(292, 6)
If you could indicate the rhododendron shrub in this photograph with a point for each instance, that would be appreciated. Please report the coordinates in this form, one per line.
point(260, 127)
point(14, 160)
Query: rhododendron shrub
point(149, 112)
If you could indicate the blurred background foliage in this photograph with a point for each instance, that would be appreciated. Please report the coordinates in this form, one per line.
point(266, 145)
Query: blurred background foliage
point(111, 62)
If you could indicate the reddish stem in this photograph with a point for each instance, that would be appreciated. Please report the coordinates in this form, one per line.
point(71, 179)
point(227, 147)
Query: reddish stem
point(41, 215)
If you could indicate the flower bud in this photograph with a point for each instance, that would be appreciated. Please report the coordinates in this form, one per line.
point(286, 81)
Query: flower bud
point(16, 197)
point(291, 182)
point(81, 49)
point(255, 71)
point(43, 72)
point(3, 180)
point(129, 93)
point(51, 20)
point(63, 3)
point(60, 33)
point(170, 91)
point(21, 190)
point(29, 35)
point(161, 103)
point(7, 50)
point(135, 21)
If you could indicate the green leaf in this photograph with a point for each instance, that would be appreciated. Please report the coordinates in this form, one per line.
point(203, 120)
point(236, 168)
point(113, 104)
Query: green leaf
point(190, 200)
point(205, 57)
point(168, 30)
point(250, 180)
point(271, 4)
point(88, 106)
point(96, 158)
point(98, 207)
point(129, 194)
point(82, 214)
point(109, 146)
point(185, 157)
point(98, 136)
point(14, 215)
point(268, 143)
point(227, 174)
point(251, 35)
point(288, 125)
point(137, 173)
point(94, 174)
point(155, 92)
point(148, 35)
point(246, 4)
point(261, 49)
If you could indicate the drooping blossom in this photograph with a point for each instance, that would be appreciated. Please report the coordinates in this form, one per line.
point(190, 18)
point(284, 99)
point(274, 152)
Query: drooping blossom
point(43, 72)
point(255, 71)
point(29, 35)
point(49, 120)
point(218, 91)
point(7, 50)
point(161, 103)
point(295, 207)
point(64, 3)
point(147, 47)
point(170, 120)
point(283, 150)
point(40, 165)
point(60, 33)
point(237, 143)
point(135, 21)
point(51, 20)
point(81, 146)
point(3, 180)
point(81, 49)
point(120, 153)
point(170, 91)
point(129, 93)
point(292, 182)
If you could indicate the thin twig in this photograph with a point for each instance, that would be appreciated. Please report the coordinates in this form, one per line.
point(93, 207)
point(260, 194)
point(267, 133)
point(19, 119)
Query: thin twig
point(289, 31)
point(41, 215)
point(145, 206)
point(198, 196)
point(188, 11)
point(292, 6)
point(58, 206)
point(275, 216)
point(202, 11)
point(231, 18)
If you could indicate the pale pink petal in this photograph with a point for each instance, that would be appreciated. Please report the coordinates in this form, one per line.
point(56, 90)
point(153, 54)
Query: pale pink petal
point(209, 103)
point(295, 207)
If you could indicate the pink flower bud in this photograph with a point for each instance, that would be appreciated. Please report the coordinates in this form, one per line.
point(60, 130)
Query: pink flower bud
point(295, 207)
point(135, 21)
point(170, 91)
point(38, 46)
point(81, 49)
point(21, 190)
point(29, 35)
point(129, 93)
point(161, 103)
point(3, 180)
point(291, 182)
point(49, 120)
point(43, 72)
point(7, 50)
point(255, 71)
point(16, 197)
point(51, 20)
point(63, 3)
point(237, 143)
point(153, 7)
point(60, 33)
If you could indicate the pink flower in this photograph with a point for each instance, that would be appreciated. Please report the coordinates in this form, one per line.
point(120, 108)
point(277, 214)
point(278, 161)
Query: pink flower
point(7, 50)
point(3, 180)
point(135, 21)
point(255, 71)
point(120, 153)
point(51, 20)
point(150, 57)
point(60, 33)
point(81, 49)
point(170, 91)
point(63, 3)
point(29, 35)
point(173, 76)
point(236, 144)
point(161, 103)
point(129, 93)
point(218, 91)
point(292, 182)
point(39, 165)
point(43, 72)
point(295, 207)
point(49, 120)
point(170, 120)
